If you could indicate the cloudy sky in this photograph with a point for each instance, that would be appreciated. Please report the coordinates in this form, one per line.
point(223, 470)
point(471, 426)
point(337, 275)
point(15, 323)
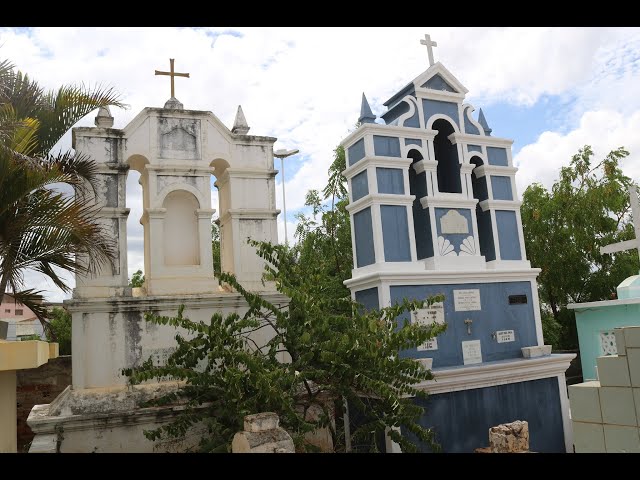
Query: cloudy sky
point(552, 90)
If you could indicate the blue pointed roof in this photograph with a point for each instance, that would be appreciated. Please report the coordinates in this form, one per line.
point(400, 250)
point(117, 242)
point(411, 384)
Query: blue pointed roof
point(366, 115)
point(483, 123)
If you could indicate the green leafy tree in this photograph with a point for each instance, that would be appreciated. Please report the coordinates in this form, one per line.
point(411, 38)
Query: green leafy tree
point(215, 248)
point(60, 330)
point(338, 352)
point(44, 228)
point(137, 279)
point(334, 357)
point(587, 207)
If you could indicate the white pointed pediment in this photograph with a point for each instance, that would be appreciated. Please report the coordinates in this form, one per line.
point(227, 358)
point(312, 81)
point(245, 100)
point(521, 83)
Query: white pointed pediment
point(439, 82)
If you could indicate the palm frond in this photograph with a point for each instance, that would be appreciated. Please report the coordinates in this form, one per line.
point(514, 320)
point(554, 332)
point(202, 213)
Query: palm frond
point(67, 106)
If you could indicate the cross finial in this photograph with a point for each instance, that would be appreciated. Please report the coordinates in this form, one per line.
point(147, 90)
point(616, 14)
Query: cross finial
point(172, 74)
point(635, 213)
point(427, 41)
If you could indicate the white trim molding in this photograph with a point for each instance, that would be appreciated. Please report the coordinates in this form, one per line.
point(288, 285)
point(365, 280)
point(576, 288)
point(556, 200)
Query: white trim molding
point(480, 140)
point(500, 205)
point(486, 169)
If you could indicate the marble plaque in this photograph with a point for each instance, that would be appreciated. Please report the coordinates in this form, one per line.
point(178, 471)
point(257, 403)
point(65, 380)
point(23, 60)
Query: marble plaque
point(504, 336)
point(429, 315)
point(24, 330)
point(431, 344)
point(466, 300)
point(453, 222)
point(471, 352)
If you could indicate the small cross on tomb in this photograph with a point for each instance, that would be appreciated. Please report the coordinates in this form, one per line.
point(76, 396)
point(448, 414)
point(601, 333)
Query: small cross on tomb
point(172, 74)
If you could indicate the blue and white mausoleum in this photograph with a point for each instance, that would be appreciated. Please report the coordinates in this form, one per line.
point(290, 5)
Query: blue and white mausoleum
point(434, 210)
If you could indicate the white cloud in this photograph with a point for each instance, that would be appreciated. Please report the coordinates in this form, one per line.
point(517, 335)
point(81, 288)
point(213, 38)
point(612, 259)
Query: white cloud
point(303, 85)
point(604, 130)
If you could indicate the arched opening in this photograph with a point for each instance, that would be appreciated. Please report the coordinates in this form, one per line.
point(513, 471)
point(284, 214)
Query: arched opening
point(220, 199)
point(181, 245)
point(135, 231)
point(447, 157)
point(421, 222)
point(485, 232)
point(135, 201)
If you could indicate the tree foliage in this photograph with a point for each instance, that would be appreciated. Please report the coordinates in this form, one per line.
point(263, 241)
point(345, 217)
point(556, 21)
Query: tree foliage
point(335, 352)
point(60, 330)
point(43, 227)
point(137, 279)
point(564, 228)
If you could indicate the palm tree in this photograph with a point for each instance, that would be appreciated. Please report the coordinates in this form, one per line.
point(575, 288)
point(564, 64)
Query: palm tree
point(47, 213)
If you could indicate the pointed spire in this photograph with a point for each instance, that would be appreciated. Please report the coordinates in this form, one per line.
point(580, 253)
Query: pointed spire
point(366, 115)
point(104, 118)
point(240, 125)
point(483, 123)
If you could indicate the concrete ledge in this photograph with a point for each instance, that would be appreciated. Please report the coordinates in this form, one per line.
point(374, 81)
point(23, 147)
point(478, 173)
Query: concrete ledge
point(496, 373)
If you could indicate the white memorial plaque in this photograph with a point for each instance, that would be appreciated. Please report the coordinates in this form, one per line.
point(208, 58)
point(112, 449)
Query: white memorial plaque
point(429, 345)
point(504, 336)
point(466, 300)
point(24, 330)
point(429, 315)
point(453, 222)
point(471, 352)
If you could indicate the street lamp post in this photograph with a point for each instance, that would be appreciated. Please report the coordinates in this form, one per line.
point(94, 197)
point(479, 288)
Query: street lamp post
point(282, 154)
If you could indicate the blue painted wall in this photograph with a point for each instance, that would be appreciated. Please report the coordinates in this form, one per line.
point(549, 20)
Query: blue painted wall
point(356, 151)
point(359, 186)
point(501, 187)
point(390, 180)
point(363, 230)
point(431, 107)
point(455, 238)
point(485, 234)
point(395, 233)
point(408, 89)
point(496, 314)
point(468, 126)
point(497, 156)
point(414, 120)
point(368, 298)
point(474, 148)
point(386, 146)
point(391, 115)
point(438, 83)
point(421, 221)
point(478, 409)
point(591, 321)
point(507, 227)
point(414, 141)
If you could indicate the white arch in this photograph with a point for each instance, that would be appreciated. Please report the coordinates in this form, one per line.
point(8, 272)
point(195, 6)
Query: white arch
point(405, 149)
point(438, 116)
point(412, 110)
point(180, 186)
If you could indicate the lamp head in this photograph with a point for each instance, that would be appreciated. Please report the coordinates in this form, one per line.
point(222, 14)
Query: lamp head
point(282, 153)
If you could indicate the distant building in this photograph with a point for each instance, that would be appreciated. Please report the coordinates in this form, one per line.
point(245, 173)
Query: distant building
point(22, 321)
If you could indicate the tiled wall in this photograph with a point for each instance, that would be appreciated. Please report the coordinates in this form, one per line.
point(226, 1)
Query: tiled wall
point(606, 413)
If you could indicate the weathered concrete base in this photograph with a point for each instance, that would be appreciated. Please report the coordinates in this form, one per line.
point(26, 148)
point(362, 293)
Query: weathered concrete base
point(106, 420)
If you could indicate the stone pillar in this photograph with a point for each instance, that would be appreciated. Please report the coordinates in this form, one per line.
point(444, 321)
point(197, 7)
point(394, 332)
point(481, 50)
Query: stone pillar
point(246, 215)
point(262, 435)
point(104, 145)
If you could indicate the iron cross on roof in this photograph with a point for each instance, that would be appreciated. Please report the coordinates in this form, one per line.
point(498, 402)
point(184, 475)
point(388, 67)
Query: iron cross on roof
point(172, 74)
point(628, 244)
point(427, 41)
